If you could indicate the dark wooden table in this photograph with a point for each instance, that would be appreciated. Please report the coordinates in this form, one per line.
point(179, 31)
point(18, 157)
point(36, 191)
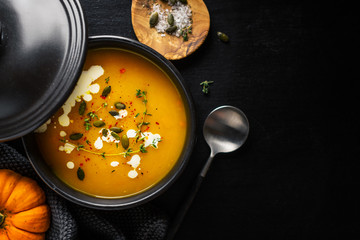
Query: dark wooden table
point(286, 66)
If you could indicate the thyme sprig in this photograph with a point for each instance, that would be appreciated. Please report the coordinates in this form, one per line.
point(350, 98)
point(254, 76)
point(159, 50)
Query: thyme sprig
point(128, 152)
point(206, 85)
point(142, 94)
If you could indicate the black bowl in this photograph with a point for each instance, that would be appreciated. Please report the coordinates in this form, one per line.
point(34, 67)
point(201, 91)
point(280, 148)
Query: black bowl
point(75, 196)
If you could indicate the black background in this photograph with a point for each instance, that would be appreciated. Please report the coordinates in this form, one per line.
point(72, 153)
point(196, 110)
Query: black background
point(290, 66)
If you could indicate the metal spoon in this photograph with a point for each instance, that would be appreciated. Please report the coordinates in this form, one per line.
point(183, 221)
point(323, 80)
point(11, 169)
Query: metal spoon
point(225, 129)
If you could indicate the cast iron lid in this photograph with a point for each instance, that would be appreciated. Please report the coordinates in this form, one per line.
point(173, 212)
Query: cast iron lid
point(42, 51)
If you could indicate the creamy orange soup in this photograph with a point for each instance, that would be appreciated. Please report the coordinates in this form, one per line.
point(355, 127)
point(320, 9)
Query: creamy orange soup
point(122, 129)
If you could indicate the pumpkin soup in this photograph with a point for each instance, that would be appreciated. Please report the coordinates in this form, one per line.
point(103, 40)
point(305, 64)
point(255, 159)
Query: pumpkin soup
point(122, 129)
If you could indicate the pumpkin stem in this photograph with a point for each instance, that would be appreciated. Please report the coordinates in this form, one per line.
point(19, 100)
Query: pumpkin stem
point(2, 219)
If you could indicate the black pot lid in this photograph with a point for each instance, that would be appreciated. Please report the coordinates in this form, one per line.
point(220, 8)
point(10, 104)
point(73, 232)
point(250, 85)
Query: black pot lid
point(42, 51)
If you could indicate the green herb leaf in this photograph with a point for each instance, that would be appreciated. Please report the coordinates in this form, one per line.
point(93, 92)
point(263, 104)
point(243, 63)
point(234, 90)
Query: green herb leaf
point(80, 174)
point(87, 126)
point(205, 85)
point(185, 36)
point(79, 147)
point(142, 148)
point(140, 93)
point(128, 152)
point(92, 115)
point(107, 80)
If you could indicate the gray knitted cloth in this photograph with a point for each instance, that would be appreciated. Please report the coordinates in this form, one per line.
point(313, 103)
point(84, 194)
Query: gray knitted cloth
point(70, 221)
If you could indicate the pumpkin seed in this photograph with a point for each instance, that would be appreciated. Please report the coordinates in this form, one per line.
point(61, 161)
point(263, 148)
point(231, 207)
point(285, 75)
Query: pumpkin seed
point(154, 18)
point(183, 1)
point(124, 141)
point(222, 36)
point(116, 129)
point(80, 174)
point(106, 91)
point(115, 135)
point(99, 124)
point(76, 136)
point(104, 132)
point(171, 29)
point(82, 108)
point(170, 19)
point(120, 105)
point(114, 113)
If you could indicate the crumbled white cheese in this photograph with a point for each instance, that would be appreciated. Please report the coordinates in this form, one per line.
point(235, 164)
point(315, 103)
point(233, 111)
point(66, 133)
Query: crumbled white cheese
point(131, 133)
point(83, 89)
point(132, 173)
point(68, 148)
point(94, 88)
point(151, 139)
point(62, 133)
point(134, 161)
point(43, 127)
point(98, 143)
point(122, 113)
point(70, 165)
point(114, 163)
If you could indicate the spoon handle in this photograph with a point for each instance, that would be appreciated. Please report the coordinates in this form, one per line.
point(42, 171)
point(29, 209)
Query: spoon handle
point(188, 200)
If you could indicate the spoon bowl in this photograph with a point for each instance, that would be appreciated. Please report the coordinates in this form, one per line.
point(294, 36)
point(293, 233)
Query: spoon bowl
point(226, 129)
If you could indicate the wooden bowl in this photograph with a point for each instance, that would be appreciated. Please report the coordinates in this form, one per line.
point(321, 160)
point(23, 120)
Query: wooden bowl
point(171, 47)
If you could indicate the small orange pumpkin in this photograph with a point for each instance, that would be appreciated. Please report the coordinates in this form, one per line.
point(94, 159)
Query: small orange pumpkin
point(23, 212)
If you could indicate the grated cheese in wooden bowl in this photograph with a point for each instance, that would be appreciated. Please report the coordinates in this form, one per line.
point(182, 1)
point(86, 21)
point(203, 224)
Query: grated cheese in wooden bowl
point(182, 19)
